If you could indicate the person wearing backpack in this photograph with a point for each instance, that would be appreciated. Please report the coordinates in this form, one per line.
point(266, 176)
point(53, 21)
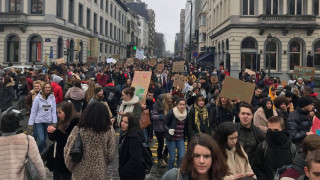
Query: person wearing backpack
point(131, 150)
point(275, 152)
point(112, 96)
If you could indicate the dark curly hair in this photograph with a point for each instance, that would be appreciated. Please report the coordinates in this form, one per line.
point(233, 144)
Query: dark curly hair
point(96, 117)
point(279, 100)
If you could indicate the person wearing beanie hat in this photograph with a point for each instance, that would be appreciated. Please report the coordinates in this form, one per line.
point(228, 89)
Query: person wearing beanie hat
point(198, 119)
point(299, 121)
point(98, 95)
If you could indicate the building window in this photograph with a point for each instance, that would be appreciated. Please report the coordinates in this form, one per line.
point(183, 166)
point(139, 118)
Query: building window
point(101, 47)
point(71, 51)
point(88, 19)
point(316, 7)
point(111, 10)
point(115, 12)
point(272, 52)
point(96, 1)
point(71, 10)
point(95, 22)
point(101, 25)
point(60, 48)
point(227, 44)
point(295, 7)
point(13, 48)
point(295, 54)
point(101, 4)
point(80, 15)
point(119, 16)
point(249, 54)
point(107, 6)
point(272, 7)
point(115, 33)
point(60, 8)
point(14, 5)
point(248, 7)
point(106, 28)
point(316, 50)
point(36, 6)
point(110, 50)
point(80, 55)
point(111, 35)
point(35, 49)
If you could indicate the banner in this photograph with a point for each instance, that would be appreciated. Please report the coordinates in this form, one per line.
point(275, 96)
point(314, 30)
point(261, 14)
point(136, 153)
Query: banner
point(111, 60)
point(140, 54)
point(130, 60)
point(116, 57)
point(119, 65)
point(141, 81)
point(60, 61)
point(153, 62)
point(233, 88)
point(179, 80)
point(250, 72)
point(306, 73)
point(315, 126)
point(160, 67)
point(178, 66)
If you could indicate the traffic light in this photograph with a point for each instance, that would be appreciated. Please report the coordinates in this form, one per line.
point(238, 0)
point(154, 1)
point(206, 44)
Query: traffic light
point(134, 47)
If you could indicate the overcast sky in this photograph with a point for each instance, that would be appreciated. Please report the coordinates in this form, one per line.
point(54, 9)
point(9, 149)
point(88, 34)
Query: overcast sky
point(167, 18)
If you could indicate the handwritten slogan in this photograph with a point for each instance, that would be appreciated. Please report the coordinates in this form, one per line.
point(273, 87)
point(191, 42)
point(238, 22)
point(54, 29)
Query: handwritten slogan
point(141, 81)
point(306, 73)
point(178, 66)
point(179, 80)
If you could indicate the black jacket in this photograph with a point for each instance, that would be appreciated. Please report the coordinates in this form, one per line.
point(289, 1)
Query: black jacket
point(61, 139)
point(170, 122)
point(6, 96)
point(192, 127)
point(299, 122)
point(130, 156)
point(120, 78)
point(218, 115)
point(255, 102)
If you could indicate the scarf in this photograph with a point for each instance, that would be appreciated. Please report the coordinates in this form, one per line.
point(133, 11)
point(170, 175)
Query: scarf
point(127, 106)
point(178, 115)
point(201, 114)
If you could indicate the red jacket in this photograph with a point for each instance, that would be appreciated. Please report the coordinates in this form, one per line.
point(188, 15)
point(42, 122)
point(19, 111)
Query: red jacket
point(30, 84)
point(57, 92)
point(104, 79)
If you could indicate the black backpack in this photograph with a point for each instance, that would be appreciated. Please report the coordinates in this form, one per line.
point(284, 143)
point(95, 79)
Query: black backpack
point(110, 95)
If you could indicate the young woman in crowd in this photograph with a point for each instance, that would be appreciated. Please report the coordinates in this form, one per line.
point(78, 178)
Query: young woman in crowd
point(175, 127)
point(263, 113)
point(67, 120)
point(130, 103)
point(90, 92)
point(37, 86)
point(281, 103)
point(76, 95)
point(22, 91)
point(198, 118)
point(6, 93)
point(131, 149)
point(160, 110)
point(43, 113)
point(203, 161)
point(98, 95)
point(14, 148)
point(98, 140)
point(226, 137)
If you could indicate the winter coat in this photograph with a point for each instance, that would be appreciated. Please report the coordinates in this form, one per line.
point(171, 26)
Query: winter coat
point(43, 110)
point(75, 93)
point(13, 155)
point(130, 156)
point(98, 153)
point(55, 78)
point(299, 122)
point(29, 98)
point(66, 87)
point(121, 79)
point(218, 115)
point(192, 128)
point(170, 122)
point(236, 163)
point(255, 102)
point(23, 89)
point(260, 120)
point(157, 112)
point(103, 79)
point(297, 168)
point(172, 174)
point(61, 139)
point(57, 91)
point(6, 96)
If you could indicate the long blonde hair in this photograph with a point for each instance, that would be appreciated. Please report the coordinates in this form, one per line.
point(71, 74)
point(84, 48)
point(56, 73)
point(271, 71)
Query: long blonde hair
point(90, 92)
point(167, 103)
point(229, 103)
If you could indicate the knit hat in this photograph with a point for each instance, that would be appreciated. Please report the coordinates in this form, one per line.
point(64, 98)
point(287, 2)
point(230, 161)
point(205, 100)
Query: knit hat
point(197, 97)
point(304, 101)
point(97, 89)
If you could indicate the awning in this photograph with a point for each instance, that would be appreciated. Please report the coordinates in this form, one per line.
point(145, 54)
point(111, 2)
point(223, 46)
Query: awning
point(206, 57)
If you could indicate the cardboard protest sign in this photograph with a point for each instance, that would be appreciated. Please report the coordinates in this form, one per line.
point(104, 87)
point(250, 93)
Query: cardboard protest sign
point(141, 81)
point(119, 65)
point(178, 66)
point(60, 61)
point(179, 80)
point(233, 88)
point(160, 67)
point(306, 73)
point(130, 60)
point(153, 62)
point(116, 56)
point(250, 72)
point(315, 126)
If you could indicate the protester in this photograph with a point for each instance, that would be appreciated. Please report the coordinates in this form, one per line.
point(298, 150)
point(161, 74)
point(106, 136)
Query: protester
point(203, 160)
point(22, 91)
point(275, 152)
point(14, 148)
point(255, 102)
point(299, 122)
point(131, 149)
point(281, 103)
point(37, 86)
point(6, 93)
point(98, 95)
point(226, 137)
point(67, 120)
point(312, 168)
point(57, 92)
point(299, 86)
point(68, 85)
point(175, 126)
point(98, 141)
point(76, 95)
point(43, 113)
point(262, 115)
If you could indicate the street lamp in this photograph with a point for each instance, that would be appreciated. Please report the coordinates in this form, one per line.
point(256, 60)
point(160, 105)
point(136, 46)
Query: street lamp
point(190, 45)
point(269, 37)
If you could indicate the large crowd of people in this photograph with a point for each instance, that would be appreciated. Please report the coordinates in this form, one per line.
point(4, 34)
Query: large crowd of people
point(75, 110)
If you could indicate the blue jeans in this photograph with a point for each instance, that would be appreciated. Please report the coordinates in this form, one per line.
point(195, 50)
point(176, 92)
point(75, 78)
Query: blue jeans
point(40, 134)
point(172, 146)
point(145, 136)
point(120, 87)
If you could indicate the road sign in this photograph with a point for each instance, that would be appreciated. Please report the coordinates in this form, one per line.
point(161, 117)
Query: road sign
point(195, 54)
point(47, 40)
point(51, 52)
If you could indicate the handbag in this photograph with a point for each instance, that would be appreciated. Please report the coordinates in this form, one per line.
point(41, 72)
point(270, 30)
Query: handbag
point(145, 119)
point(48, 155)
point(77, 149)
point(31, 171)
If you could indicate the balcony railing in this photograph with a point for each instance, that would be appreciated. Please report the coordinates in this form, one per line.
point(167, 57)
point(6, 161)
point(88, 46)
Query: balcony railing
point(269, 17)
point(13, 18)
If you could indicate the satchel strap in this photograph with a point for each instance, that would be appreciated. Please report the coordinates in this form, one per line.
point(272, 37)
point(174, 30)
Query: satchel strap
point(178, 177)
point(27, 146)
